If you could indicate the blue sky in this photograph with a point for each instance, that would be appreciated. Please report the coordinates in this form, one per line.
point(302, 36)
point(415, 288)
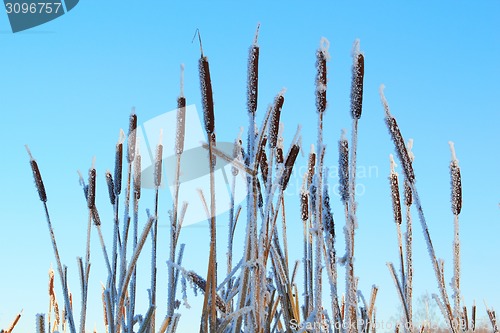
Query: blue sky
point(68, 86)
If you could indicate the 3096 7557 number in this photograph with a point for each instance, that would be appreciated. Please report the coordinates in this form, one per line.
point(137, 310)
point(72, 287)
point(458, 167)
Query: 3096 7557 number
point(33, 8)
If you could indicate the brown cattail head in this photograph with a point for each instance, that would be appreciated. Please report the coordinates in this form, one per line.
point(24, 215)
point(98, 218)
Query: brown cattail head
point(253, 74)
point(397, 138)
point(181, 125)
point(456, 182)
point(37, 176)
point(132, 134)
point(408, 194)
point(304, 205)
point(40, 323)
point(396, 202)
point(329, 223)
point(310, 166)
point(91, 188)
point(344, 168)
point(290, 161)
point(119, 164)
point(95, 216)
point(275, 119)
point(158, 162)
point(111, 190)
point(358, 72)
point(321, 58)
point(206, 95)
point(137, 175)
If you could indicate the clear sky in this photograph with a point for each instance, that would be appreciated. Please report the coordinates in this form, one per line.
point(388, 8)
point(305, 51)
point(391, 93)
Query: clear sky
point(67, 87)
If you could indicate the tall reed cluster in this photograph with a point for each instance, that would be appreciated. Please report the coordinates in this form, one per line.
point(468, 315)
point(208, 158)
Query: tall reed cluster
point(260, 292)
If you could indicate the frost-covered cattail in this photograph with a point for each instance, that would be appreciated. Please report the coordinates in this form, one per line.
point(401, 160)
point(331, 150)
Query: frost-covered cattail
point(397, 138)
point(181, 118)
point(275, 119)
point(304, 205)
point(260, 200)
point(158, 161)
point(207, 99)
point(456, 182)
point(132, 134)
point(310, 165)
point(111, 187)
point(358, 72)
point(322, 57)
point(328, 220)
point(253, 74)
point(408, 195)
point(37, 176)
point(264, 165)
point(137, 174)
point(344, 168)
point(40, 323)
point(290, 161)
point(91, 188)
point(119, 163)
point(396, 202)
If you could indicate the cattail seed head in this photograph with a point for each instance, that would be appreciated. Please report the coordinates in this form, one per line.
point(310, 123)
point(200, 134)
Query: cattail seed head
point(260, 199)
point(408, 194)
point(37, 176)
point(456, 183)
point(91, 188)
point(358, 72)
point(290, 161)
point(403, 156)
point(181, 125)
point(40, 323)
point(321, 59)
point(111, 190)
point(344, 168)
point(158, 162)
point(275, 119)
point(310, 165)
point(329, 223)
point(264, 166)
point(397, 138)
point(304, 205)
point(119, 164)
point(132, 134)
point(253, 75)
point(137, 176)
point(396, 202)
point(279, 155)
point(95, 217)
point(207, 95)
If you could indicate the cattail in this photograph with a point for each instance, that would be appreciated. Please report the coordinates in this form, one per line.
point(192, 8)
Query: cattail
point(132, 134)
point(236, 156)
point(310, 166)
point(290, 161)
point(158, 161)
point(40, 323)
point(253, 74)
point(260, 199)
point(456, 182)
point(137, 175)
point(321, 59)
point(111, 191)
point(328, 220)
point(398, 140)
point(358, 72)
point(408, 194)
point(119, 163)
point(37, 176)
point(396, 202)
point(95, 217)
point(304, 205)
point(264, 166)
point(275, 119)
point(91, 188)
point(206, 91)
point(344, 168)
point(181, 118)
point(279, 155)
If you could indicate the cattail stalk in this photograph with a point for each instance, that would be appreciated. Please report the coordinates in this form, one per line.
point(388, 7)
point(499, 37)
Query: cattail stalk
point(456, 207)
point(43, 197)
point(405, 161)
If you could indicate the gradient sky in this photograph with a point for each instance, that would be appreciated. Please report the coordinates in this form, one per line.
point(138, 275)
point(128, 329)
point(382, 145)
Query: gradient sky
point(68, 86)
